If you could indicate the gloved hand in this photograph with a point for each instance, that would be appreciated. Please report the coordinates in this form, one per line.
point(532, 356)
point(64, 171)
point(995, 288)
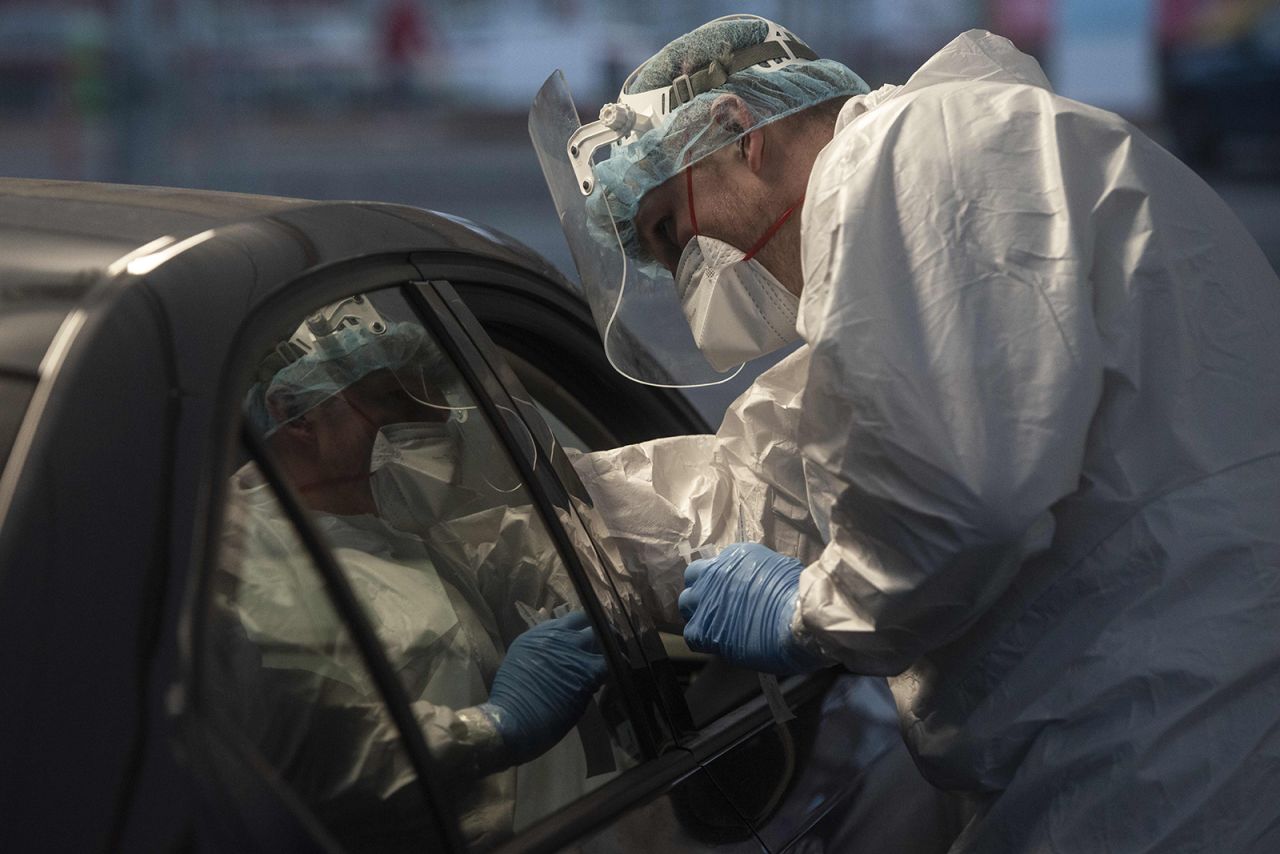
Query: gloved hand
point(544, 684)
point(739, 605)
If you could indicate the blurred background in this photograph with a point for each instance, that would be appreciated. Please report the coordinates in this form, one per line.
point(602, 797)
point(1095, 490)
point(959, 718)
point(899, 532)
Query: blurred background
point(425, 102)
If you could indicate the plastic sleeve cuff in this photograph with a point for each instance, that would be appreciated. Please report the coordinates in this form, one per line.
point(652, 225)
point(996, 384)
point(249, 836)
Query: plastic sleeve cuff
point(806, 642)
point(477, 728)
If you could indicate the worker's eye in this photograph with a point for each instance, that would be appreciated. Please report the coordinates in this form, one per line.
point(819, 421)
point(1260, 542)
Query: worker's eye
point(667, 230)
point(658, 241)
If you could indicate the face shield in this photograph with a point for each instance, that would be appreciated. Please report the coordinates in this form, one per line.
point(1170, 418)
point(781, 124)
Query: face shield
point(665, 120)
point(633, 300)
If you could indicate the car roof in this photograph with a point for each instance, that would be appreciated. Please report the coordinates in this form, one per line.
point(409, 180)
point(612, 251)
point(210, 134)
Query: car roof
point(57, 233)
point(90, 225)
point(59, 240)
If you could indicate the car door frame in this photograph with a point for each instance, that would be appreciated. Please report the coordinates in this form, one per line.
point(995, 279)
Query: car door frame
point(661, 767)
point(274, 809)
point(732, 730)
point(671, 763)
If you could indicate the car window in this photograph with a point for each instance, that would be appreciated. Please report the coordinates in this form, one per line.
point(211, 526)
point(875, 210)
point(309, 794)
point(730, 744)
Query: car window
point(376, 432)
point(285, 672)
point(571, 420)
point(710, 687)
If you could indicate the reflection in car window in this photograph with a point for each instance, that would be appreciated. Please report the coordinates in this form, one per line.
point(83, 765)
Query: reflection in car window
point(285, 672)
point(711, 687)
point(572, 421)
point(383, 443)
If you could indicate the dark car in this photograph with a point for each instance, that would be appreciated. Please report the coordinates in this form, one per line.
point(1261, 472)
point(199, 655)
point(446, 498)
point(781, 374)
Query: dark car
point(170, 685)
point(1218, 93)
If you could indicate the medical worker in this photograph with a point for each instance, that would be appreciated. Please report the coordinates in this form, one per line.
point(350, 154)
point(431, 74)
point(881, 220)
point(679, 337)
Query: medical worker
point(372, 429)
point(1027, 462)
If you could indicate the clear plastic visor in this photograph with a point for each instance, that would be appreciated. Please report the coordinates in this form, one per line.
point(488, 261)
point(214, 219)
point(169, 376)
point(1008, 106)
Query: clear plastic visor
point(634, 303)
point(384, 383)
point(406, 394)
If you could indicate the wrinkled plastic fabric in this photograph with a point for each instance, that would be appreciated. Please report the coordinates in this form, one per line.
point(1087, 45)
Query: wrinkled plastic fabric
point(697, 129)
point(1037, 421)
point(444, 607)
point(1042, 433)
point(658, 504)
point(663, 502)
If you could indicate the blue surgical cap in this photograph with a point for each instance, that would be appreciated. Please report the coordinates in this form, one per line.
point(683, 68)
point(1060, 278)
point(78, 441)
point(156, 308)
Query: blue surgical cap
point(701, 126)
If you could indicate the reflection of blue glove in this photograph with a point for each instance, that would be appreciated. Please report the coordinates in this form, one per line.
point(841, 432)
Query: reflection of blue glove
point(739, 605)
point(544, 685)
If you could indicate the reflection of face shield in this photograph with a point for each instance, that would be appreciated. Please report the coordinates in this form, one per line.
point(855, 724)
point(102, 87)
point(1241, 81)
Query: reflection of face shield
point(388, 372)
point(664, 122)
point(422, 474)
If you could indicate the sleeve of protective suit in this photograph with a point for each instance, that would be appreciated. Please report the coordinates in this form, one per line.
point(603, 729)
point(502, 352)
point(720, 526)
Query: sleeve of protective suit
point(654, 501)
point(955, 366)
point(341, 743)
point(660, 501)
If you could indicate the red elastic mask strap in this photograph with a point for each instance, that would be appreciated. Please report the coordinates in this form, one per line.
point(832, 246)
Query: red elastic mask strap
point(688, 181)
point(773, 229)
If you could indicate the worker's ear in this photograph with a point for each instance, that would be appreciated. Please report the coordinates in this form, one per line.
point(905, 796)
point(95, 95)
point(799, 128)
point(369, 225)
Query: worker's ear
point(751, 146)
point(733, 116)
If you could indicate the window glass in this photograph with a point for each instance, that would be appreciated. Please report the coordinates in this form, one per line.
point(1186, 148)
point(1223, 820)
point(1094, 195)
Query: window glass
point(710, 686)
point(572, 421)
point(282, 668)
point(399, 469)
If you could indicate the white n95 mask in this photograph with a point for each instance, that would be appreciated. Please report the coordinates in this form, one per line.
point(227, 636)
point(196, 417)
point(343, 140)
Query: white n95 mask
point(736, 309)
point(412, 470)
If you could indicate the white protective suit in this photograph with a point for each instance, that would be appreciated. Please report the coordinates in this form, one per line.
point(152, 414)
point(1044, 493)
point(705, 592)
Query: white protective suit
point(1039, 425)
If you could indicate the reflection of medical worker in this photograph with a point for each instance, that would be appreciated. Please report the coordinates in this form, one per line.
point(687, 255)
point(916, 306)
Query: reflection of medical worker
point(360, 424)
point(1036, 426)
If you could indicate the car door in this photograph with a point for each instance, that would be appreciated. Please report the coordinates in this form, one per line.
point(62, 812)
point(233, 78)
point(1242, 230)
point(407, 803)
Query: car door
point(756, 752)
point(326, 674)
point(827, 764)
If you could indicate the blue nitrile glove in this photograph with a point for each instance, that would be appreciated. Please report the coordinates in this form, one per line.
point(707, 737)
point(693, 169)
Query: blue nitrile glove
point(544, 685)
point(739, 605)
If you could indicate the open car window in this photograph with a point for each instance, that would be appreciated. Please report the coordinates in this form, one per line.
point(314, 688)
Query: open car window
point(547, 352)
point(374, 432)
point(710, 687)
